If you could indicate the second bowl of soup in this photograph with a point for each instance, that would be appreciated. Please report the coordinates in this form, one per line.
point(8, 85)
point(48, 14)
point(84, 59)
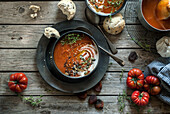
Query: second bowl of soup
point(105, 7)
point(147, 14)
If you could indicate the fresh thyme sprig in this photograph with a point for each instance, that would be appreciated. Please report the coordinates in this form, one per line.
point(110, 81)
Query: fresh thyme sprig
point(33, 101)
point(115, 3)
point(110, 16)
point(71, 38)
point(145, 46)
point(121, 75)
point(148, 111)
point(121, 102)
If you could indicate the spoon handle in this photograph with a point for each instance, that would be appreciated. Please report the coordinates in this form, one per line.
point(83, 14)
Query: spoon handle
point(119, 61)
point(112, 47)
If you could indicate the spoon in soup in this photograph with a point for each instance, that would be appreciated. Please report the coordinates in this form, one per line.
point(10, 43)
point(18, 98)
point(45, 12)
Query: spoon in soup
point(163, 10)
point(119, 61)
point(95, 19)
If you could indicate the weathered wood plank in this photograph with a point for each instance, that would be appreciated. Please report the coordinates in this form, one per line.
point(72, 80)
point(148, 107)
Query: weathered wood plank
point(12, 60)
point(24, 59)
point(131, 13)
point(19, 13)
point(27, 36)
point(72, 105)
point(37, 86)
point(20, 36)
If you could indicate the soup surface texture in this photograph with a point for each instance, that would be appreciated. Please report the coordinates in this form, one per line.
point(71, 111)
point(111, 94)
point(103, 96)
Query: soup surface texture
point(149, 12)
point(106, 6)
point(75, 54)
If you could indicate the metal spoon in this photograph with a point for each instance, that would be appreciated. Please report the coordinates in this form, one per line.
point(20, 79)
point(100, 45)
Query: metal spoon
point(95, 19)
point(119, 61)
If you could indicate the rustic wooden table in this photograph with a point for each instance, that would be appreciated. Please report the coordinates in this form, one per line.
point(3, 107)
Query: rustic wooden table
point(19, 36)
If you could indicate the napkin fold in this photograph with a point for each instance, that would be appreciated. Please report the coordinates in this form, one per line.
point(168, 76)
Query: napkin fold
point(161, 68)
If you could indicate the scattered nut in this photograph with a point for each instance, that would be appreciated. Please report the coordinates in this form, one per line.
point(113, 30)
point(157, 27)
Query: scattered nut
point(35, 9)
point(98, 87)
point(133, 56)
point(51, 32)
point(82, 95)
point(99, 104)
point(92, 99)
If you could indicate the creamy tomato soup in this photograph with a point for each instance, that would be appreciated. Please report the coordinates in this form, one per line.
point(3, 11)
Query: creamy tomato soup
point(76, 54)
point(149, 12)
point(106, 6)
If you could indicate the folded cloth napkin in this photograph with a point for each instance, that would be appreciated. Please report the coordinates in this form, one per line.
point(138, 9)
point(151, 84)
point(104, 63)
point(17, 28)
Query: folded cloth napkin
point(161, 68)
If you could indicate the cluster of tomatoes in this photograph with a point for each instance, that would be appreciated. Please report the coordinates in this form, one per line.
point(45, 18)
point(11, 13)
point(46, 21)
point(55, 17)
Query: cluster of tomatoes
point(150, 85)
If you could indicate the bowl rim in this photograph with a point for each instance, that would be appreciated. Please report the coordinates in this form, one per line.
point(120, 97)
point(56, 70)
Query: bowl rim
point(156, 29)
point(75, 31)
point(98, 13)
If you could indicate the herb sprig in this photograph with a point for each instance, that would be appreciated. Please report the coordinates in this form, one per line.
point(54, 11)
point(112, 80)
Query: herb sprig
point(71, 38)
point(145, 46)
point(33, 101)
point(121, 75)
point(121, 102)
point(115, 3)
point(110, 16)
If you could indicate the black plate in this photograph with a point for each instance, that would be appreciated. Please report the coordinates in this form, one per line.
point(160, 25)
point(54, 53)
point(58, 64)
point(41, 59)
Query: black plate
point(42, 55)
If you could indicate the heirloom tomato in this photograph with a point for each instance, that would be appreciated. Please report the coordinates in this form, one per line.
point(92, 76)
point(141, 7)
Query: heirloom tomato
point(18, 82)
point(135, 79)
point(151, 84)
point(141, 99)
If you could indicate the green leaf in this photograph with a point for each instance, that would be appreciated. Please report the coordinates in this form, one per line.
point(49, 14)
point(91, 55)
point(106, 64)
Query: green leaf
point(97, 6)
point(33, 101)
point(148, 111)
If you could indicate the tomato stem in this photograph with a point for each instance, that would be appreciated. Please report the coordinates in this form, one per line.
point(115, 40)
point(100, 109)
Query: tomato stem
point(140, 96)
point(16, 82)
point(135, 79)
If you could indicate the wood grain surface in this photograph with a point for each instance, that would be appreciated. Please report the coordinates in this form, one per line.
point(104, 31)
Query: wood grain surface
point(24, 60)
point(27, 36)
point(19, 36)
point(72, 105)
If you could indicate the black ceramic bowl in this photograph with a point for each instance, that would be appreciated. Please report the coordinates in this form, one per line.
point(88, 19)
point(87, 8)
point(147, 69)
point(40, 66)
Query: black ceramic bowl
point(57, 73)
point(104, 14)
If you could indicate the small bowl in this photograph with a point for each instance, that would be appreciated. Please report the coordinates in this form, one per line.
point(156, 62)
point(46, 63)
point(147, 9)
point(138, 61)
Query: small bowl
point(144, 21)
point(104, 14)
point(61, 75)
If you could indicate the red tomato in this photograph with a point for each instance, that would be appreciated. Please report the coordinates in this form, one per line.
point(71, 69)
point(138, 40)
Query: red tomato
point(140, 99)
point(152, 85)
point(18, 82)
point(135, 79)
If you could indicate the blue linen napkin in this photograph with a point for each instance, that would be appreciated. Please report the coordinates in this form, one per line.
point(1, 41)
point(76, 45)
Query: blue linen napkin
point(161, 68)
